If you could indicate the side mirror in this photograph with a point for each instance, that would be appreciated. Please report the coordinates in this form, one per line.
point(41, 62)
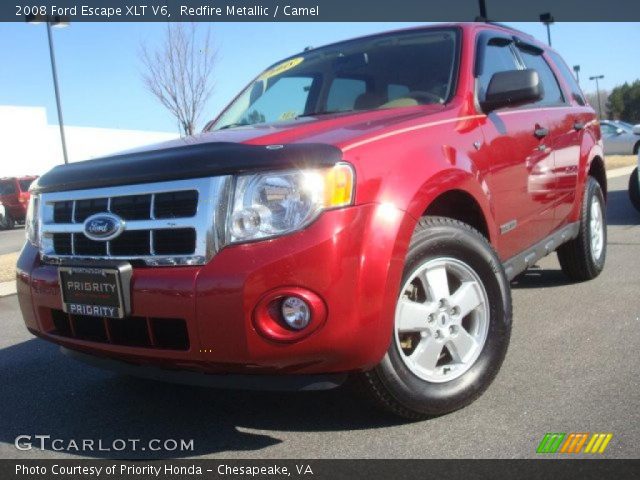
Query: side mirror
point(512, 88)
point(619, 131)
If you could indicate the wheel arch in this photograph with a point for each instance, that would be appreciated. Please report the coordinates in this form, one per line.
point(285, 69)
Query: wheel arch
point(457, 194)
point(598, 171)
point(462, 206)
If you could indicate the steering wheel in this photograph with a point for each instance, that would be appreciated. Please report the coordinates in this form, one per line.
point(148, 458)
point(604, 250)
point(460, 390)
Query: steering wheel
point(425, 97)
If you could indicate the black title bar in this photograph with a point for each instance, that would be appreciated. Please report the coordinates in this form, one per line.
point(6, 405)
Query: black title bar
point(319, 469)
point(319, 10)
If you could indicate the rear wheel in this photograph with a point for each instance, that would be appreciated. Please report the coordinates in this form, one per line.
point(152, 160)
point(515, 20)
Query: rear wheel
point(7, 222)
point(634, 190)
point(452, 324)
point(583, 257)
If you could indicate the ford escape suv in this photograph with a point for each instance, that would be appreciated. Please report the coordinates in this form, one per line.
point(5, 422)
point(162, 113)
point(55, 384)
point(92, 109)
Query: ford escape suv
point(356, 213)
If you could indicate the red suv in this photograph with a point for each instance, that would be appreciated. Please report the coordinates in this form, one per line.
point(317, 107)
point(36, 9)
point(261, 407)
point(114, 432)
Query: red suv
point(356, 212)
point(14, 198)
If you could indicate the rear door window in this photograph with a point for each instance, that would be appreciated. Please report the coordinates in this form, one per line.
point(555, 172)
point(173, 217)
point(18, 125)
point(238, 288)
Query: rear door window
point(552, 93)
point(567, 75)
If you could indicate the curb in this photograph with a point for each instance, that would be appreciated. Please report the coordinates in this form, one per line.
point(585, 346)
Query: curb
point(7, 288)
point(621, 172)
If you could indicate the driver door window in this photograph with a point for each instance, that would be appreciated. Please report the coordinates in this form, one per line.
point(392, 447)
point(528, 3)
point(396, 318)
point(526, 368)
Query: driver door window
point(497, 58)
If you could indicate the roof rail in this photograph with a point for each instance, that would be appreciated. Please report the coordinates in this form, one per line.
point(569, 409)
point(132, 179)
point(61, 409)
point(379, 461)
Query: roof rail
point(507, 27)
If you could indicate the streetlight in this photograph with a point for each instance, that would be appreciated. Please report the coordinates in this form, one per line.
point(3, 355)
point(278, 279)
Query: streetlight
point(58, 22)
point(576, 68)
point(547, 19)
point(596, 78)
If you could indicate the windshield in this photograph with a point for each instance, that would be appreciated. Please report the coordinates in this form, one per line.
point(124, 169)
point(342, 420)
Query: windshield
point(385, 71)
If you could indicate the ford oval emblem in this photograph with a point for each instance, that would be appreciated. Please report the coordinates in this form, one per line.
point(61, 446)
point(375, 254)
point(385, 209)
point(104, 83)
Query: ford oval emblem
point(103, 227)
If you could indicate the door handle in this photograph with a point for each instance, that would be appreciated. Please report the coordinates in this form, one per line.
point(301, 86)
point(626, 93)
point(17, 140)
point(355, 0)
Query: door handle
point(541, 132)
point(578, 126)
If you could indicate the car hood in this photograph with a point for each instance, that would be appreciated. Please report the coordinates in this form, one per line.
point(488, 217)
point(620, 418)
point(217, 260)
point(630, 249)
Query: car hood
point(334, 129)
point(301, 143)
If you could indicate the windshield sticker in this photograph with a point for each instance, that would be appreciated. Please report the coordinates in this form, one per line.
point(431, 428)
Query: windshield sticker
point(281, 68)
point(288, 115)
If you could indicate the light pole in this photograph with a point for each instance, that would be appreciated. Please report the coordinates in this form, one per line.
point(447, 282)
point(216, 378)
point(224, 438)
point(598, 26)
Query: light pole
point(57, 22)
point(483, 11)
point(576, 68)
point(547, 19)
point(596, 78)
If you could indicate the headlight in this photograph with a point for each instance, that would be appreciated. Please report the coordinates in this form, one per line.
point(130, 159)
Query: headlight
point(275, 203)
point(32, 220)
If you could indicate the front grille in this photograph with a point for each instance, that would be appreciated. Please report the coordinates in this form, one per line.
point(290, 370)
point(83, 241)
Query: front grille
point(174, 242)
point(176, 204)
point(137, 242)
point(85, 208)
point(88, 248)
point(168, 223)
point(160, 333)
point(135, 207)
point(62, 243)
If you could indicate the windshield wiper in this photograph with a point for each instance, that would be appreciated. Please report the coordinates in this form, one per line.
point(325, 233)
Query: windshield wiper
point(323, 112)
point(233, 125)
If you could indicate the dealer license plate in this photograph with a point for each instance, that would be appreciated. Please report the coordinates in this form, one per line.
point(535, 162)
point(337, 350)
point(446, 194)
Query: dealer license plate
point(96, 292)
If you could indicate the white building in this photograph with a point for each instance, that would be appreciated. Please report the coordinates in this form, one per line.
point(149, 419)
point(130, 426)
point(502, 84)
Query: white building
point(30, 146)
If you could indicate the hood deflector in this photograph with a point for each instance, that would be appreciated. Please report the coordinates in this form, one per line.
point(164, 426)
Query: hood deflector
point(191, 161)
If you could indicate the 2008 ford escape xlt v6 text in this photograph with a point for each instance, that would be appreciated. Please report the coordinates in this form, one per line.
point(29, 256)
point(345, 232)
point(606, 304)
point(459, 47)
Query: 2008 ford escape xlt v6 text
point(355, 213)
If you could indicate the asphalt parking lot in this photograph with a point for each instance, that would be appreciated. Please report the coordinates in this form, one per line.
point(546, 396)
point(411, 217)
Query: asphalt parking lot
point(572, 366)
point(11, 240)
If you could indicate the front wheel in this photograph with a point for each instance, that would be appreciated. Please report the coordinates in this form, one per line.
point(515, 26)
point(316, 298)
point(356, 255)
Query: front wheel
point(583, 257)
point(634, 190)
point(452, 324)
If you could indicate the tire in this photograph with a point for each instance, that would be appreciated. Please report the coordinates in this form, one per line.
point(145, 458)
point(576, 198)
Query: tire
point(8, 222)
point(580, 258)
point(402, 386)
point(634, 190)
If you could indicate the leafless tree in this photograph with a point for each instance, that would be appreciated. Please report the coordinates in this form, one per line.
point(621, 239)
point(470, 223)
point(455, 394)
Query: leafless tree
point(179, 72)
point(592, 99)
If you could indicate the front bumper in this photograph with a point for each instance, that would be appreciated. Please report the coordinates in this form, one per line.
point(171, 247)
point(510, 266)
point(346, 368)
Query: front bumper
point(352, 258)
point(199, 379)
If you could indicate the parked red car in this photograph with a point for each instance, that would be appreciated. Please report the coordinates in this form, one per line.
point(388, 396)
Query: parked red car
point(14, 197)
point(355, 213)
